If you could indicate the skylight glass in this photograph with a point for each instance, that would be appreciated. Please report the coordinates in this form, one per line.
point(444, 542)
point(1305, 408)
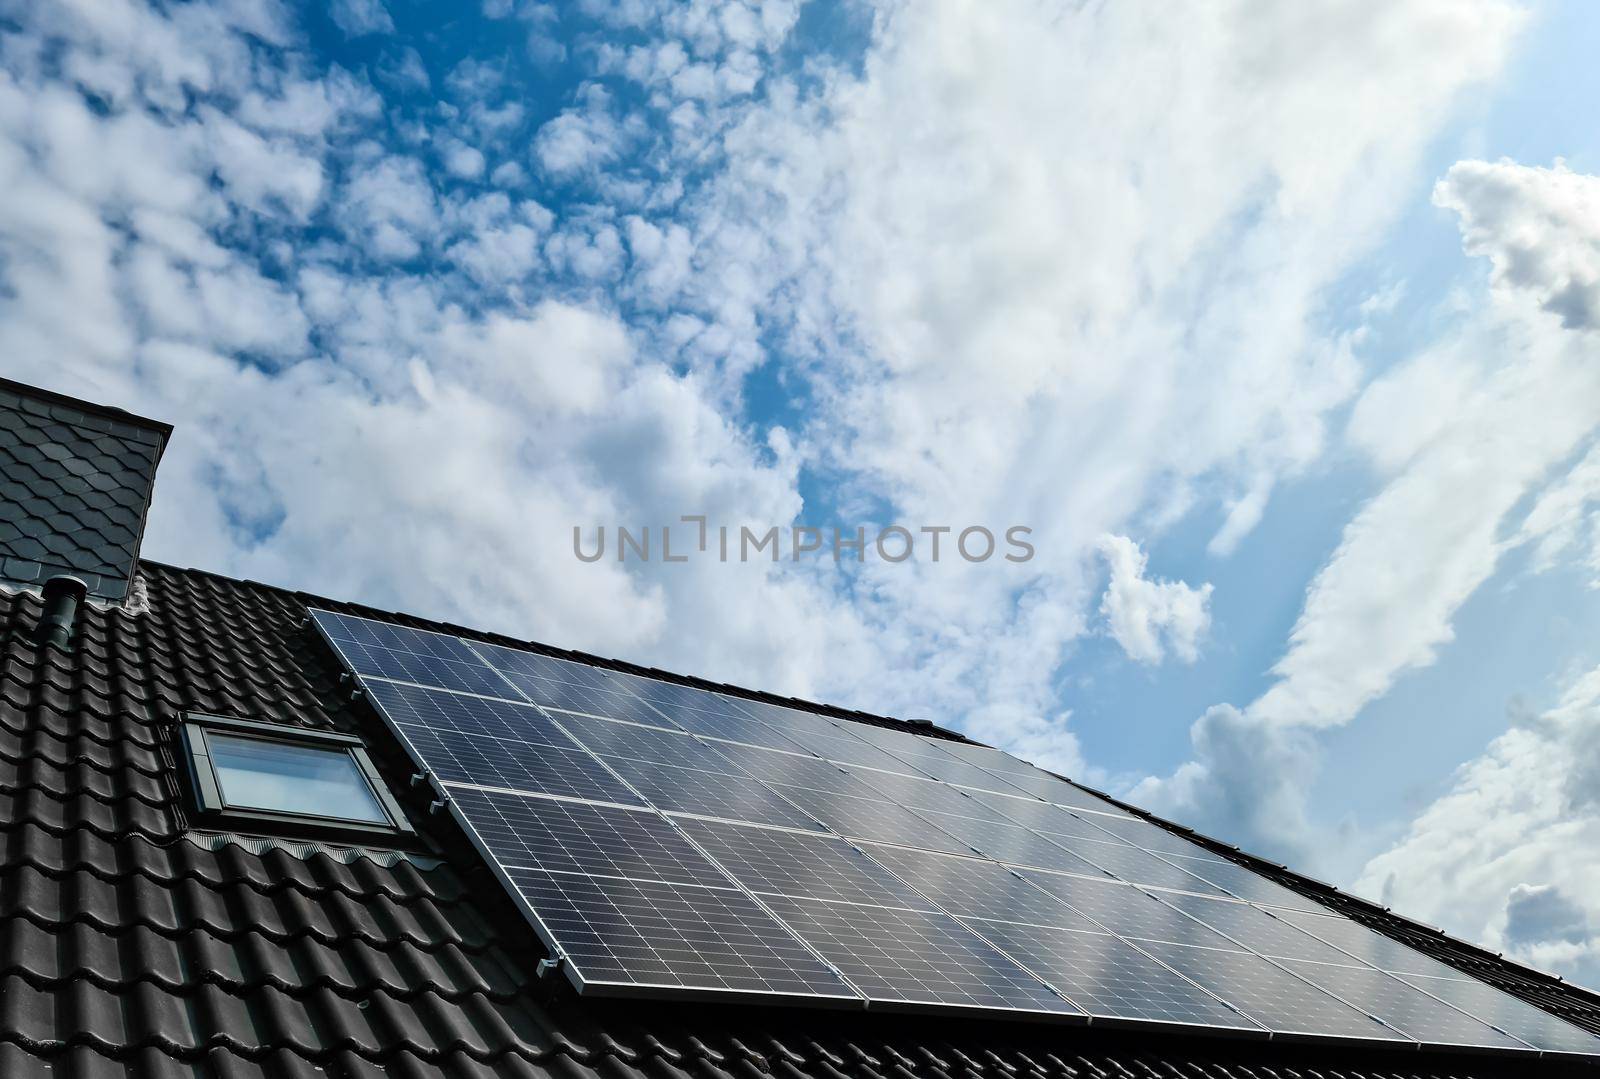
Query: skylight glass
point(289, 778)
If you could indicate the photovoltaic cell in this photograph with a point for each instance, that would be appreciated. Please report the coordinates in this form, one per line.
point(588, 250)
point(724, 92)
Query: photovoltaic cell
point(915, 956)
point(1051, 789)
point(1127, 911)
point(1272, 997)
point(574, 837)
point(865, 818)
point(1403, 1007)
point(613, 739)
point(770, 861)
point(1043, 816)
point(982, 756)
point(1108, 977)
point(916, 793)
point(384, 651)
point(790, 719)
point(977, 887)
point(1010, 843)
point(1148, 836)
point(538, 665)
point(1239, 881)
point(728, 723)
point(933, 760)
point(1366, 945)
point(794, 769)
point(579, 697)
point(473, 716)
point(633, 932)
point(964, 774)
point(1136, 866)
point(715, 715)
point(1256, 930)
point(851, 751)
point(686, 790)
point(1525, 1022)
point(522, 766)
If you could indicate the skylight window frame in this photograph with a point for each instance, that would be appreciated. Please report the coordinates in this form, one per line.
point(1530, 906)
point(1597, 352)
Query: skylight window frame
point(211, 809)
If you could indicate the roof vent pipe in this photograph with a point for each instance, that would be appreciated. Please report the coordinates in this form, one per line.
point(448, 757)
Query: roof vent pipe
point(62, 595)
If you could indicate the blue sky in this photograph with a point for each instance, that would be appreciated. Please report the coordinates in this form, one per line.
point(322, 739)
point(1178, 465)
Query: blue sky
point(1277, 327)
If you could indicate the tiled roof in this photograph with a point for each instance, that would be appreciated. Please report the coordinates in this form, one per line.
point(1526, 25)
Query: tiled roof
point(75, 482)
point(130, 947)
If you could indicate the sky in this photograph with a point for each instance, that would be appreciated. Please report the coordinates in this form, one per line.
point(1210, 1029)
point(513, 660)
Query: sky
point(1274, 330)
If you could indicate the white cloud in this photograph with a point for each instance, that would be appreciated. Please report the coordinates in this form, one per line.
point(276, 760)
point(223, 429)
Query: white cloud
point(462, 161)
point(580, 139)
point(1565, 521)
point(997, 249)
point(1147, 616)
point(1510, 856)
point(389, 207)
point(1007, 254)
point(1539, 229)
point(358, 18)
point(1464, 434)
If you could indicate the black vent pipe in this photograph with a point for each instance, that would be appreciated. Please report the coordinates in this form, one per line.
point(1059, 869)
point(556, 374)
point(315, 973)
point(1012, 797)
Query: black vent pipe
point(62, 595)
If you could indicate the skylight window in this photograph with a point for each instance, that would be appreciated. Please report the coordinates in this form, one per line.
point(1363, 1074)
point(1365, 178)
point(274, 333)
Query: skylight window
point(264, 777)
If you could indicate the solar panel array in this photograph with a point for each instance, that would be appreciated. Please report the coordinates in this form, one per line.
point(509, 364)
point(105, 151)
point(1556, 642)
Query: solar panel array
point(670, 840)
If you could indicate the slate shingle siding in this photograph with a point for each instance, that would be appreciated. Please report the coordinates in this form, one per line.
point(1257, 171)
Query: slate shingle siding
point(74, 487)
point(128, 950)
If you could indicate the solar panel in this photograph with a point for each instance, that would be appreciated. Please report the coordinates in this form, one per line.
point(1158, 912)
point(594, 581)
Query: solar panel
point(1127, 911)
point(376, 649)
point(1402, 1006)
point(788, 719)
point(612, 739)
point(851, 751)
point(576, 837)
point(930, 759)
point(978, 888)
point(632, 933)
point(687, 790)
point(1010, 843)
point(774, 862)
point(1366, 945)
point(1108, 977)
point(1523, 1021)
point(1147, 836)
point(519, 766)
point(910, 956)
point(1256, 930)
point(1051, 789)
point(922, 794)
point(1136, 866)
point(668, 839)
point(795, 769)
point(718, 717)
point(1039, 815)
point(870, 819)
point(443, 710)
point(1268, 994)
point(1239, 881)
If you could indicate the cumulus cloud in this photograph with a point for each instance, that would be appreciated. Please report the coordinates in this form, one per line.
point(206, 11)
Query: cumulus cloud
point(358, 18)
point(1511, 854)
point(1147, 616)
point(1539, 229)
point(581, 139)
point(402, 405)
point(1463, 435)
